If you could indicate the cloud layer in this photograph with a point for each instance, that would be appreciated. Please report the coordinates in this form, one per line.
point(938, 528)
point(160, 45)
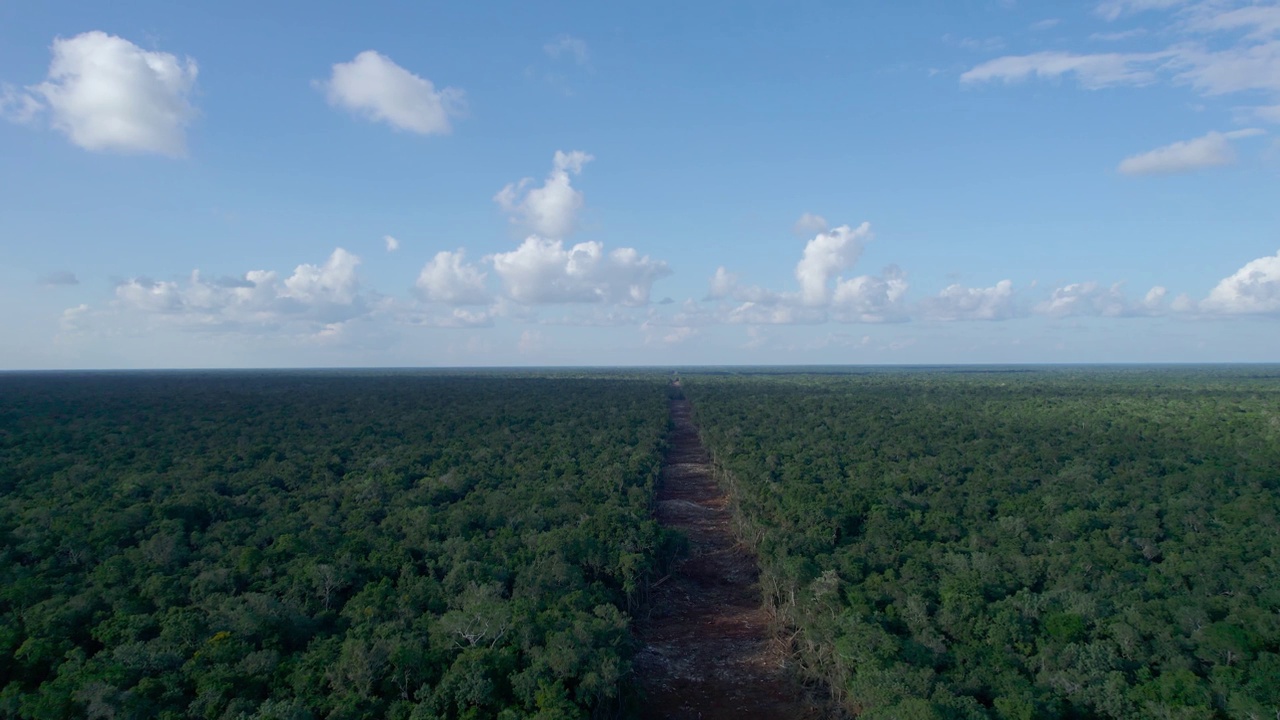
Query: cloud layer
point(310, 300)
point(543, 271)
point(1223, 47)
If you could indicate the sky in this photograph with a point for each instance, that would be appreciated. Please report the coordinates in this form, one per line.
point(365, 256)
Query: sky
point(323, 184)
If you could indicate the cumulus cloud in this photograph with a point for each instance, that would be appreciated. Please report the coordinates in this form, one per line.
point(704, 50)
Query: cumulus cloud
point(552, 209)
point(871, 299)
point(331, 283)
point(543, 271)
point(1087, 298)
point(825, 256)
point(823, 291)
point(105, 93)
point(956, 302)
point(449, 279)
point(1210, 150)
point(391, 243)
point(724, 284)
point(1095, 299)
point(60, 277)
point(373, 86)
point(1253, 289)
point(312, 298)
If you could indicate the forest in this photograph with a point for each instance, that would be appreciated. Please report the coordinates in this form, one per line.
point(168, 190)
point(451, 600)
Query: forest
point(1052, 542)
point(325, 544)
point(992, 543)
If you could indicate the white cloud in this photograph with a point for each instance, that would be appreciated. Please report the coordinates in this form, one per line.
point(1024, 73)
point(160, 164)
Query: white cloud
point(331, 283)
point(654, 333)
point(1093, 71)
point(447, 278)
point(552, 209)
point(76, 318)
point(1114, 9)
point(146, 294)
point(1224, 47)
point(871, 299)
point(1258, 21)
point(391, 243)
point(375, 87)
point(809, 224)
point(105, 93)
point(1253, 289)
point(1182, 303)
point(823, 293)
point(542, 271)
point(17, 106)
point(825, 256)
point(1210, 150)
point(956, 302)
point(312, 298)
point(1118, 35)
point(1094, 299)
point(567, 45)
point(724, 284)
point(457, 318)
point(1269, 113)
point(1240, 68)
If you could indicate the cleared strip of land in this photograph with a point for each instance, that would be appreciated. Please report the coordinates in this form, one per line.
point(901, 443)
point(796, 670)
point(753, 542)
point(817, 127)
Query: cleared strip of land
point(708, 648)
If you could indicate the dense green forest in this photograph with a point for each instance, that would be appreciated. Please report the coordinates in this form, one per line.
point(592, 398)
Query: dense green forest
point(339, 545)
point(1061, 543)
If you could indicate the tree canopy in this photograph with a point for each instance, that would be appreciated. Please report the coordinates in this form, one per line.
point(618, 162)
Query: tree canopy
point(340, 545)
point(1060, 543)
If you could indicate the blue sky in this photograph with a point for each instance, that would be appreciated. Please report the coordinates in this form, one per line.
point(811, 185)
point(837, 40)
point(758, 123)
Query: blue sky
point(326, 184)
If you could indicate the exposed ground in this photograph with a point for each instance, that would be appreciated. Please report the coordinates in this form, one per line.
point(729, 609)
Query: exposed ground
point(709, 652)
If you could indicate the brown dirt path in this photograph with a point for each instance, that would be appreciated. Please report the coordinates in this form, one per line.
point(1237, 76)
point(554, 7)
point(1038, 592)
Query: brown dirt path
point(708, 649)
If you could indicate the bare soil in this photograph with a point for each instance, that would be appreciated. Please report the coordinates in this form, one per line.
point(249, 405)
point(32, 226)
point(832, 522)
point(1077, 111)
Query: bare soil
point(708, 648)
